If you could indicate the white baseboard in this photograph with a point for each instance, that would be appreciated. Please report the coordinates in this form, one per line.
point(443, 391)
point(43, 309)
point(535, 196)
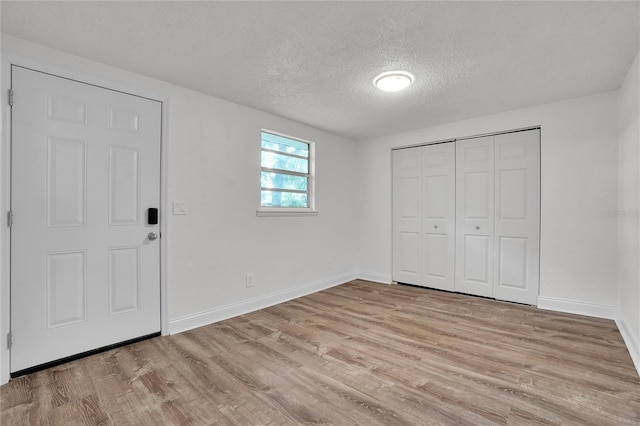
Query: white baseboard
point(580, 308)
point(374, 276)
point(632, 341)
point(188, 322)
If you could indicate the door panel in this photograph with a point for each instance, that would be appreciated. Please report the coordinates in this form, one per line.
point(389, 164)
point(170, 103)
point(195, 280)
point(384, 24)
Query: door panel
point(436, 196)
point(435, 259)
point(124, 279)
point(512, 262)
point(66, 182)
point(124, 185)
point(61, 107)
point(409, 252)
point(477, 252)
point(409, 203)
point(474, 216)
point(518, 216)
point(512, 194)
point(407, 213)
point(85, 168)
point(478, 187)
point(66, 287)
point(438, 206)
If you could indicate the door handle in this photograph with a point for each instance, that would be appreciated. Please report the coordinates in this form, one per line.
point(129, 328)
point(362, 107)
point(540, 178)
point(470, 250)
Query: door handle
point(152, 236)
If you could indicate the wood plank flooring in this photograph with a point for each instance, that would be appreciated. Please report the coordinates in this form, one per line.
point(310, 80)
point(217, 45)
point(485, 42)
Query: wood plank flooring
point(357, 354)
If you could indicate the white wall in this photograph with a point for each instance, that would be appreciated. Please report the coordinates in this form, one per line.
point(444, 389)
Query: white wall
point(629, 212)
point(579, 173)
point(213, 159)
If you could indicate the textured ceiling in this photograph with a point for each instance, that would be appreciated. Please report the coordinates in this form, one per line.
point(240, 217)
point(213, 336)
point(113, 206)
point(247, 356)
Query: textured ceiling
point(314, 61)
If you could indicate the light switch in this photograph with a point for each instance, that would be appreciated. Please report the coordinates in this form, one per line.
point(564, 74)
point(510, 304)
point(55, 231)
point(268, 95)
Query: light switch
point(180, 207)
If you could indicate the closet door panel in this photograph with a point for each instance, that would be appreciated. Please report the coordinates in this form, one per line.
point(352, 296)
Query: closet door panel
point(477, 252)
point(517, 223)
point(407, 215)
point(438, 206)
point(474, 216)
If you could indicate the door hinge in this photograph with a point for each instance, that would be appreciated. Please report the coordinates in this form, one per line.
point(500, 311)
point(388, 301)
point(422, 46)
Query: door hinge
point(10, 97)
point(9, 340)
point(9, 219)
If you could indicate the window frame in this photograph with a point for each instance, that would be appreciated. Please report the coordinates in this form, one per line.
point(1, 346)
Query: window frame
point(311, 181)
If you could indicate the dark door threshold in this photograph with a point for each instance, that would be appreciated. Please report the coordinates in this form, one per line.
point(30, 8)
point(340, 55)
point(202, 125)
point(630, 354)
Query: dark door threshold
point(50, 364)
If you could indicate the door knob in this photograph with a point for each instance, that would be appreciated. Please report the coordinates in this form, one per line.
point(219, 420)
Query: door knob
point(152, 236)
point(435, 226)
point(477, 227)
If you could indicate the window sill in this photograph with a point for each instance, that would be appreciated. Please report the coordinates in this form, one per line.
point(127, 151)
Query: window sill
point(286, 212)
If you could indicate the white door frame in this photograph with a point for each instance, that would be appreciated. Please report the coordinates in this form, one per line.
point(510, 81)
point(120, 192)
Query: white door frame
point(6, 61)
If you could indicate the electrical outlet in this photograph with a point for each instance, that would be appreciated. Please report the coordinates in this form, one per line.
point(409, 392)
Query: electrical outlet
point(249, 280)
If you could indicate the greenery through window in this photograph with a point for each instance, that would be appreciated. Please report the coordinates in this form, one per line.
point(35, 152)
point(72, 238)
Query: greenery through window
point(285, 179)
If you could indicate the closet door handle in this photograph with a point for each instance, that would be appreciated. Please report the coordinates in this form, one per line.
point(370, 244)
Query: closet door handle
point(435, 226)
point(477, 227)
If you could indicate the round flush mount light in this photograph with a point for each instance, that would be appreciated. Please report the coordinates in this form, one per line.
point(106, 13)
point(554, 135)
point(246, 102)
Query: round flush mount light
point(393, 81)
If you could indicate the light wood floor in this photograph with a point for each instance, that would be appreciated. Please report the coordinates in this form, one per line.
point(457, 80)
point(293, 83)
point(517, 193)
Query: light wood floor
point(360, 353)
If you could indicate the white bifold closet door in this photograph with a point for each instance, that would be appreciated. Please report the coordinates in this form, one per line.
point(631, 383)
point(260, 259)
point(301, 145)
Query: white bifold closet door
point(517, 217)
point(438, 213)
point(498, 216)
point(474, 216)
point(407, 215)
point(424, 216)
point(466, 216)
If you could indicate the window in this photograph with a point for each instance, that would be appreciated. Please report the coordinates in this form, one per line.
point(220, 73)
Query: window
point(286, 179)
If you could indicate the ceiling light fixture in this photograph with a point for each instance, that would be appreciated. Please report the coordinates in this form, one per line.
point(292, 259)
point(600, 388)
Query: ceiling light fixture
point(393, 81)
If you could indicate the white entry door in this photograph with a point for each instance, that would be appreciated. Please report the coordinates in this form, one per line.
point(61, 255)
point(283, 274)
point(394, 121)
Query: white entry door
point(439, 209)
point(407, 216)
point(517, 221)
point(474, 216)
point(85, 263)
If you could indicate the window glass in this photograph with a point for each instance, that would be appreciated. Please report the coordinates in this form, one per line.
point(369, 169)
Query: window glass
point(284, 144)
point(283, 181)
point(284, 162)
point(285, 172)
point(283, 199)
